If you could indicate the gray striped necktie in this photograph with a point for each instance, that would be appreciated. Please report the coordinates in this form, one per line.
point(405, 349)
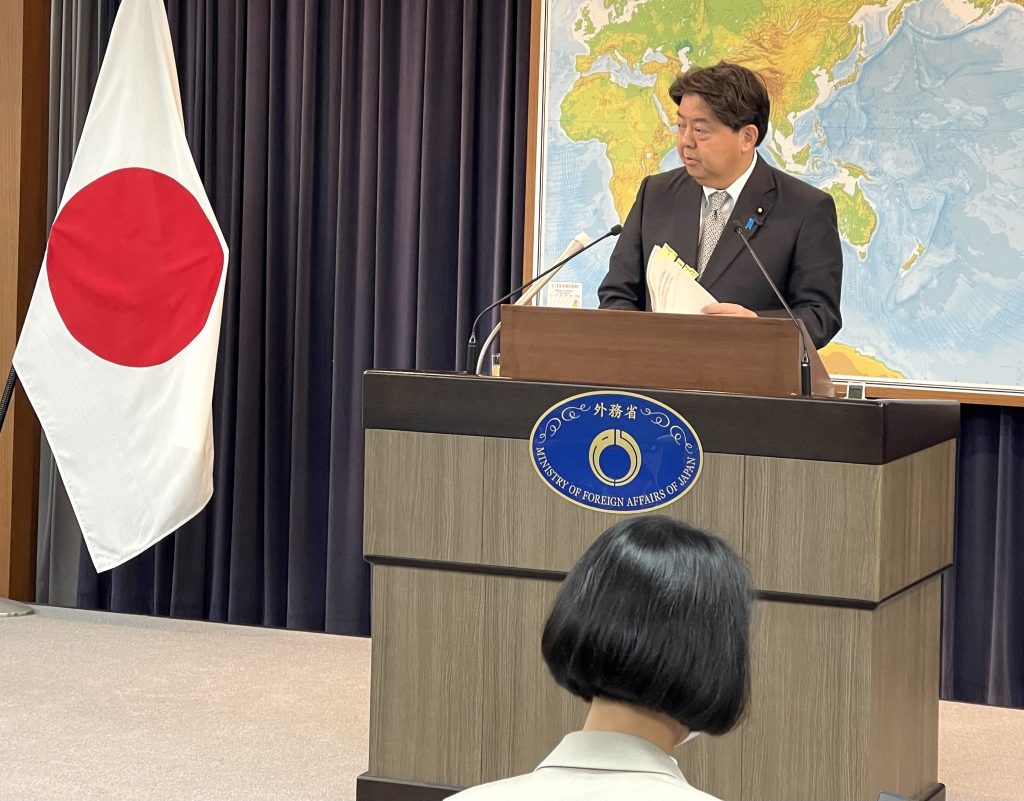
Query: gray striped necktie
point(713, 227)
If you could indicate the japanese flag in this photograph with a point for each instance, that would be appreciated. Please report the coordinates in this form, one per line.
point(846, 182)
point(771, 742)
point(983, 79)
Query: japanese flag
point(118, 350)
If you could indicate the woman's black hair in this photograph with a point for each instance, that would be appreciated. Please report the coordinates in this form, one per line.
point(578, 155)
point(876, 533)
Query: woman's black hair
point(656, 613)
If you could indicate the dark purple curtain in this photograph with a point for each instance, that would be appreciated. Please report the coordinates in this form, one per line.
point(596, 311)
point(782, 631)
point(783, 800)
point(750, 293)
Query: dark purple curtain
point(983, 595)
point(366, 160)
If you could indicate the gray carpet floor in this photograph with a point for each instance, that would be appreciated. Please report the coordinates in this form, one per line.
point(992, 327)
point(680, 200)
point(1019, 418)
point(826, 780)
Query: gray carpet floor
point(104, 706)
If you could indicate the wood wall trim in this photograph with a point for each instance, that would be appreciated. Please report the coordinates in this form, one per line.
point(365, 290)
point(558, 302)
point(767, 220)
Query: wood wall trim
point(24, 113)
point(923, 393)
point(533, 136)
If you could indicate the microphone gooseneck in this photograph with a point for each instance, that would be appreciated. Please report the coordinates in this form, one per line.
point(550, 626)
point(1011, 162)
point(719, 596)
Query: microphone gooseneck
point(580, 241)
point(805, 362)
point(472, 346)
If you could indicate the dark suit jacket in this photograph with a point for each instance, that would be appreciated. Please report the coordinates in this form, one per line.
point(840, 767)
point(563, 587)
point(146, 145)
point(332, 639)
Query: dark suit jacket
point(795, 234)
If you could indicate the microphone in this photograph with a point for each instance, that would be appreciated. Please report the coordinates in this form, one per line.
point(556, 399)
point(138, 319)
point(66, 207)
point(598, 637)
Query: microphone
point(580, 241)
point(805, 362)
point(471, 346)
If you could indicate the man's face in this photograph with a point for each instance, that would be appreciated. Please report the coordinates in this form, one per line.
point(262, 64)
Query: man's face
point(713, 153)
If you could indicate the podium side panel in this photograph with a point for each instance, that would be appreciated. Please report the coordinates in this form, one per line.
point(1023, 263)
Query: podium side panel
point(422, 495)
point(805, 737)
point(425, 688)
point(917, 516)
point(813, 527)
point(530, 526)
point(525, 713)
point(905, 696)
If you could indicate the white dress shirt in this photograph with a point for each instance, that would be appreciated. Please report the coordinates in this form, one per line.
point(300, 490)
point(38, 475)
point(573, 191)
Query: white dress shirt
point(595, 766)
point(733, 189)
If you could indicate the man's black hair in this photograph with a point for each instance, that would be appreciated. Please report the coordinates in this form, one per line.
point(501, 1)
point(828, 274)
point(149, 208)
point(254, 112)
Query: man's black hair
point(736, 95)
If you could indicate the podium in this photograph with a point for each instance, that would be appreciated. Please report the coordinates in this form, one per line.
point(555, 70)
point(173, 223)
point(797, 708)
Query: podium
point(639, 349)
point(842, 509)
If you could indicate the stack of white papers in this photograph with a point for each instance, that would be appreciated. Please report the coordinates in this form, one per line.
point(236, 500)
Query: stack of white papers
point(672, 284)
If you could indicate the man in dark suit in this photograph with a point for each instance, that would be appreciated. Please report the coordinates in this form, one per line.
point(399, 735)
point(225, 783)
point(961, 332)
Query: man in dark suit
point(722, 118)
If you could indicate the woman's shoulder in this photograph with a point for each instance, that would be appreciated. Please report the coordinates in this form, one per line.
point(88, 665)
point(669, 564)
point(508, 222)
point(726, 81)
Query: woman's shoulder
point(495, 791)
point(584, 785)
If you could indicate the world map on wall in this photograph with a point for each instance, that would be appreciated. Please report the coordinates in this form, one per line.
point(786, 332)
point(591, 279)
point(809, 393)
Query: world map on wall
point(910, 113)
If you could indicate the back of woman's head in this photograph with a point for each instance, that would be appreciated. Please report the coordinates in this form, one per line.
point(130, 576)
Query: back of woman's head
point(657, 614)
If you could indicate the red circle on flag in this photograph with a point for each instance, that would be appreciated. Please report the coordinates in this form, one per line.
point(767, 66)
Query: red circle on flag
point(134, 265)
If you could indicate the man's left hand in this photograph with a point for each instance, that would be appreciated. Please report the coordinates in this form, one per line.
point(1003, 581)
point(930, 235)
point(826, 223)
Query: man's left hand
point(728, 310)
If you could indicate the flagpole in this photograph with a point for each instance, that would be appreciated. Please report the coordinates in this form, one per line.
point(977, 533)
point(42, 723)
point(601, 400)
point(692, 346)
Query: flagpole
point(5, 400)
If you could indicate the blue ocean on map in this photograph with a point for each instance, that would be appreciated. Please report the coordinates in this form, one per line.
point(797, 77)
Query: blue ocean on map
point(935, 120)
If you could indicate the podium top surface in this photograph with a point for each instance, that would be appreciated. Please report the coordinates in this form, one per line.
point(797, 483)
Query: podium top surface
point(823, 429)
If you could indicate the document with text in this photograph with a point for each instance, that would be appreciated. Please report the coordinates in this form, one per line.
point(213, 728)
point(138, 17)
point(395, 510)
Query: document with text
point(672, 284)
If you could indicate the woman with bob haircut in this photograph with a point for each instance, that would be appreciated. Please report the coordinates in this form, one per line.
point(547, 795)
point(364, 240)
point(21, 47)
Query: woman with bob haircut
point(652, 627)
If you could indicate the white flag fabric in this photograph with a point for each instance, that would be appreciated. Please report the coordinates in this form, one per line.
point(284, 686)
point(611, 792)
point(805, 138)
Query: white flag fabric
point(118, 350)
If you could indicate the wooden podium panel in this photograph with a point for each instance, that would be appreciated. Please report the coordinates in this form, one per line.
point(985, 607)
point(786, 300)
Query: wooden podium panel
point(521, 504)
point(421, 681)
point(477, 703)
point(846, 538)
point(866, 715)
point(677, 351)
point(827, 511)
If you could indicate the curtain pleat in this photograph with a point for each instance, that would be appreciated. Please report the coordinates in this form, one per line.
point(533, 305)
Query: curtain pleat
point(366, 161)
point(983, 596)
point(332, 139)
point(78, 35)
point(356, 232)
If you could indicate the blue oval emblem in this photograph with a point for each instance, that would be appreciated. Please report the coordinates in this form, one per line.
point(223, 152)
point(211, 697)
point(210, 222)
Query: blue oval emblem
point(616, 452)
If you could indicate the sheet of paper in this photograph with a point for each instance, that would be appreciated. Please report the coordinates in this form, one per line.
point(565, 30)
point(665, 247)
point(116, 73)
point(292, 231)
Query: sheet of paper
point(565, 294)
point(672, 284)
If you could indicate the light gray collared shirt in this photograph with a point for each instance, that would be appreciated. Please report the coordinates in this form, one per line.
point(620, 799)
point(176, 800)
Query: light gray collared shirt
point(595, 766)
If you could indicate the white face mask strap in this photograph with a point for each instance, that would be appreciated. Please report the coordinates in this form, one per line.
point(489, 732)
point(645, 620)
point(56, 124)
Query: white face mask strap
point(690, 736)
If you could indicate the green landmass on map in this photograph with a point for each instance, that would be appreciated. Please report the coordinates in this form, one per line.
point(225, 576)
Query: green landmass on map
point(918, 253)
point(984, 6)
point(988, 6)
point(805, 52)
point(786, 41)
point(627, 121)
point(896, 15)
point(584, 23)
point(777, 154)
point(857, 219)
point(855, 170)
